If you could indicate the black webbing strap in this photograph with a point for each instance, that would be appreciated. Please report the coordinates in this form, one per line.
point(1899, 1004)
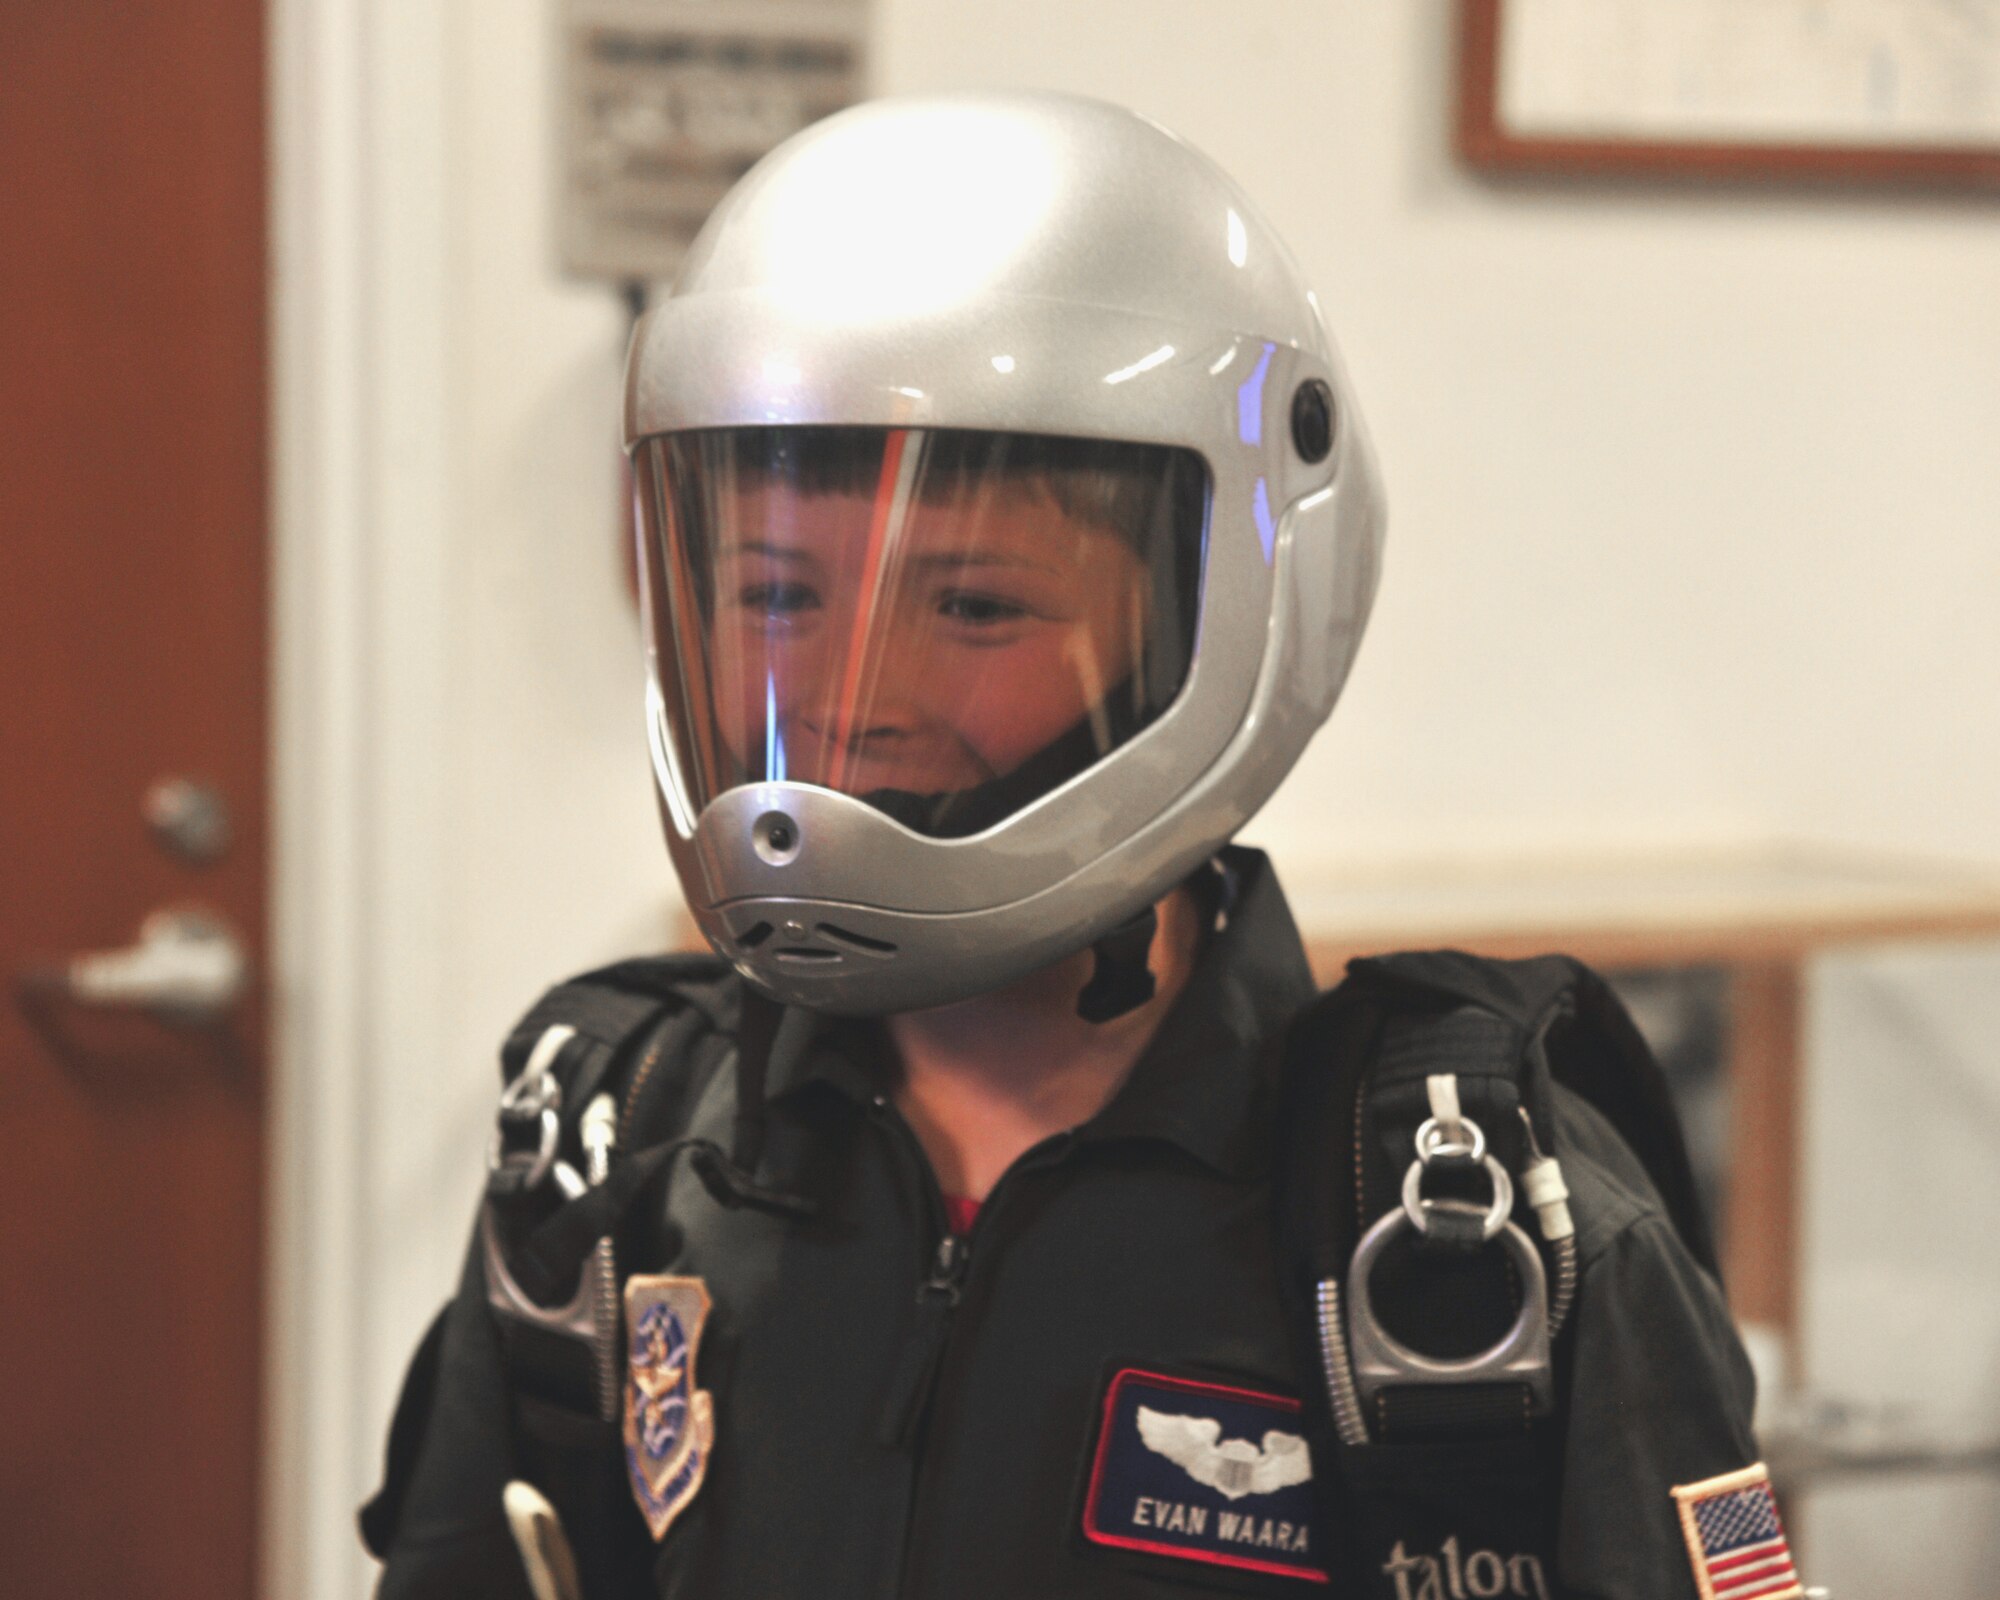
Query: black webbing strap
point(1446, 1295)
point(610, 1013)
point(756, 1038)
point(1567, 1016)
point(1453, 1411)
point(1460, 1461)
point(1121, 981)
point(606, 1015)
point(550, 1366)
point(1597, 1050)
point(546, 1261)
point(607, 1008)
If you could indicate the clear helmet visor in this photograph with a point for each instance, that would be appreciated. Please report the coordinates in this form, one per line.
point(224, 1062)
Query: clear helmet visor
point(945, 624)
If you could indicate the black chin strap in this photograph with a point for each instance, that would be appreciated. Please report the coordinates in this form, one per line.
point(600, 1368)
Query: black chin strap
point(732, 1178)
point(1122, 982)
point(957, 814)
point(756, 1035)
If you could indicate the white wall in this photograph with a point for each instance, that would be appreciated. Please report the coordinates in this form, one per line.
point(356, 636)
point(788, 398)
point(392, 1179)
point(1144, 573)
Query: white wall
point(1693, 533)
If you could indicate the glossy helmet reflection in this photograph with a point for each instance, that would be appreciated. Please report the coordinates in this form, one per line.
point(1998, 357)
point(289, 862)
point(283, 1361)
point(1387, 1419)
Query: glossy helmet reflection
point(1007, 527)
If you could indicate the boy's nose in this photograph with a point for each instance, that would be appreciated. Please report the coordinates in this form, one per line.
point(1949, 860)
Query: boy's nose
point(851, 734)
point(880, 711)
point(881, 696)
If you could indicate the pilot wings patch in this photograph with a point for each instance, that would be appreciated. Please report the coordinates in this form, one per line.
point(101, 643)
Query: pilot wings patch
point(1217, 1473)
point(1232, 1467)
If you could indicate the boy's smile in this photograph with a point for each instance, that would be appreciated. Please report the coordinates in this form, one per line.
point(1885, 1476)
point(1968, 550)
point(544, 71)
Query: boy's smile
point(929, 651)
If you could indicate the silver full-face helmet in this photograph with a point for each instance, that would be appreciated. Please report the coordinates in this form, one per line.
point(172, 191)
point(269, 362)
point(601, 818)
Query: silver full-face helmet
point(1007, 526)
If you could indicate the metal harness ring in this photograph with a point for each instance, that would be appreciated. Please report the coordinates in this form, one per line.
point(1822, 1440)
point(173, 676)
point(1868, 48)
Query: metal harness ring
point(1432, 1141)
point(528, 1099)
point(534, 1096)
point(1419, 1210)
point(1380, 1361)
point(531, 1165)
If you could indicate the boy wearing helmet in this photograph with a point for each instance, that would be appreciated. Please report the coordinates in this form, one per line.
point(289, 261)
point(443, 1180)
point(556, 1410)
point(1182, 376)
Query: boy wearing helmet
point(1007, 527)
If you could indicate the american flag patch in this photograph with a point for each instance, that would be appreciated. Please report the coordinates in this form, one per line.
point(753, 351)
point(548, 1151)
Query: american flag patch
point(1735, 1540)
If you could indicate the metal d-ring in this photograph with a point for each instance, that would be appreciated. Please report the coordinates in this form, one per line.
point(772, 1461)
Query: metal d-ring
point(1433, 1141)
point(535, 1096)
point(523, 1169)
point(1380, 1361)
point(1418, 1210)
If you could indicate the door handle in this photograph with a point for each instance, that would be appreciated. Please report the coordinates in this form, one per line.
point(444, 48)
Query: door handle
point(187, 966)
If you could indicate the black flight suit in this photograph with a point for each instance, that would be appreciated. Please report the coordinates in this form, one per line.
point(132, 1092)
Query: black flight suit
point(1093, 1396)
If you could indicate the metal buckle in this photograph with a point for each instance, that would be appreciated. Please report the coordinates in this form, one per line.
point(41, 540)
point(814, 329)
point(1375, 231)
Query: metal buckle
point(576, 1317)
point(1419, 1209)
point(534, 1097)
point(590, 1314)
point(1381, 1361)
point(1433, 1140)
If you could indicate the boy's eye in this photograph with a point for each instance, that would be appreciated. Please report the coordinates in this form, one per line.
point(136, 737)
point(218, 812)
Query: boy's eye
point(778, 598)
point(979, 609)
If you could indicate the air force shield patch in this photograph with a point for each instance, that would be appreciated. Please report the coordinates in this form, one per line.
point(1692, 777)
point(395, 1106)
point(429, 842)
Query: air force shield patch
point(669, 1423)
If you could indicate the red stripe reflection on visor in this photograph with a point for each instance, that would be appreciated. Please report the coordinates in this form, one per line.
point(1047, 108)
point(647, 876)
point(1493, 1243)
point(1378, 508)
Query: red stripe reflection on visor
point(890, 490)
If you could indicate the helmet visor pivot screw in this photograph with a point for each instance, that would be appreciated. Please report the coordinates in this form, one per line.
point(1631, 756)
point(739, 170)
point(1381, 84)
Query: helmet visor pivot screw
point(776, 837)
point(1312, 421)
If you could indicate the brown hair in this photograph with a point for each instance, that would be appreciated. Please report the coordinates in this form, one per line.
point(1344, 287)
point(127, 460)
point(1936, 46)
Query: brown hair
point(1110, 483)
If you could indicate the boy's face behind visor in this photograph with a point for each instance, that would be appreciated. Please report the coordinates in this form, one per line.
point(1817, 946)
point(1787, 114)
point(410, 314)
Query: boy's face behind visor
point(946, 626)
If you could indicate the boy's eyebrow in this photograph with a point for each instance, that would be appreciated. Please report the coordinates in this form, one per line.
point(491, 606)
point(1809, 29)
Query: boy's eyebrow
point(931, 558)
point(982, 558)
point(763, 547)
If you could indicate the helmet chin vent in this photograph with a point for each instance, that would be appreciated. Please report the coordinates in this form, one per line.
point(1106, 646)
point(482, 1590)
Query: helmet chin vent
point(859, 943)
point(827, 947)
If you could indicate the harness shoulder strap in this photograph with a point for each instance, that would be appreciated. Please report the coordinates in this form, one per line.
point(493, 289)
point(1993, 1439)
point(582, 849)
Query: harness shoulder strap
point(1564, 1026)
point(598, 1061)
point(1431, 1252)
point(528, 1354)
point(606, 1009)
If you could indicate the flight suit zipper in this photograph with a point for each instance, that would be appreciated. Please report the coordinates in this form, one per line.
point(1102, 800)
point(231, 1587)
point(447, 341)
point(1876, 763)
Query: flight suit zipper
point(939, 1287)
point(916, 1374)
point(940, 1293)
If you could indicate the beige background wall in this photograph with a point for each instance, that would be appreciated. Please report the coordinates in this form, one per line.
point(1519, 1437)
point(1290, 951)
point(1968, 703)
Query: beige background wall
point(1693, 540)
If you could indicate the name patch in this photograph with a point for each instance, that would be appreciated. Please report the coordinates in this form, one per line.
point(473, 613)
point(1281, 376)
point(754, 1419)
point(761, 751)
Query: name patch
point(1204, 1472)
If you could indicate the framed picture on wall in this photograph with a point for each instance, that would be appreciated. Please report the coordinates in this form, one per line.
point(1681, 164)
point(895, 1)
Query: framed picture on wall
point(1902, 91)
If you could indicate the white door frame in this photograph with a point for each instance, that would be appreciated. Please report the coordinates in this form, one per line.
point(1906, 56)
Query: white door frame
point(361, 328)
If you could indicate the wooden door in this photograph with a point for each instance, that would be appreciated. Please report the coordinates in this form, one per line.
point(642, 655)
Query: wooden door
point(132, 649)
